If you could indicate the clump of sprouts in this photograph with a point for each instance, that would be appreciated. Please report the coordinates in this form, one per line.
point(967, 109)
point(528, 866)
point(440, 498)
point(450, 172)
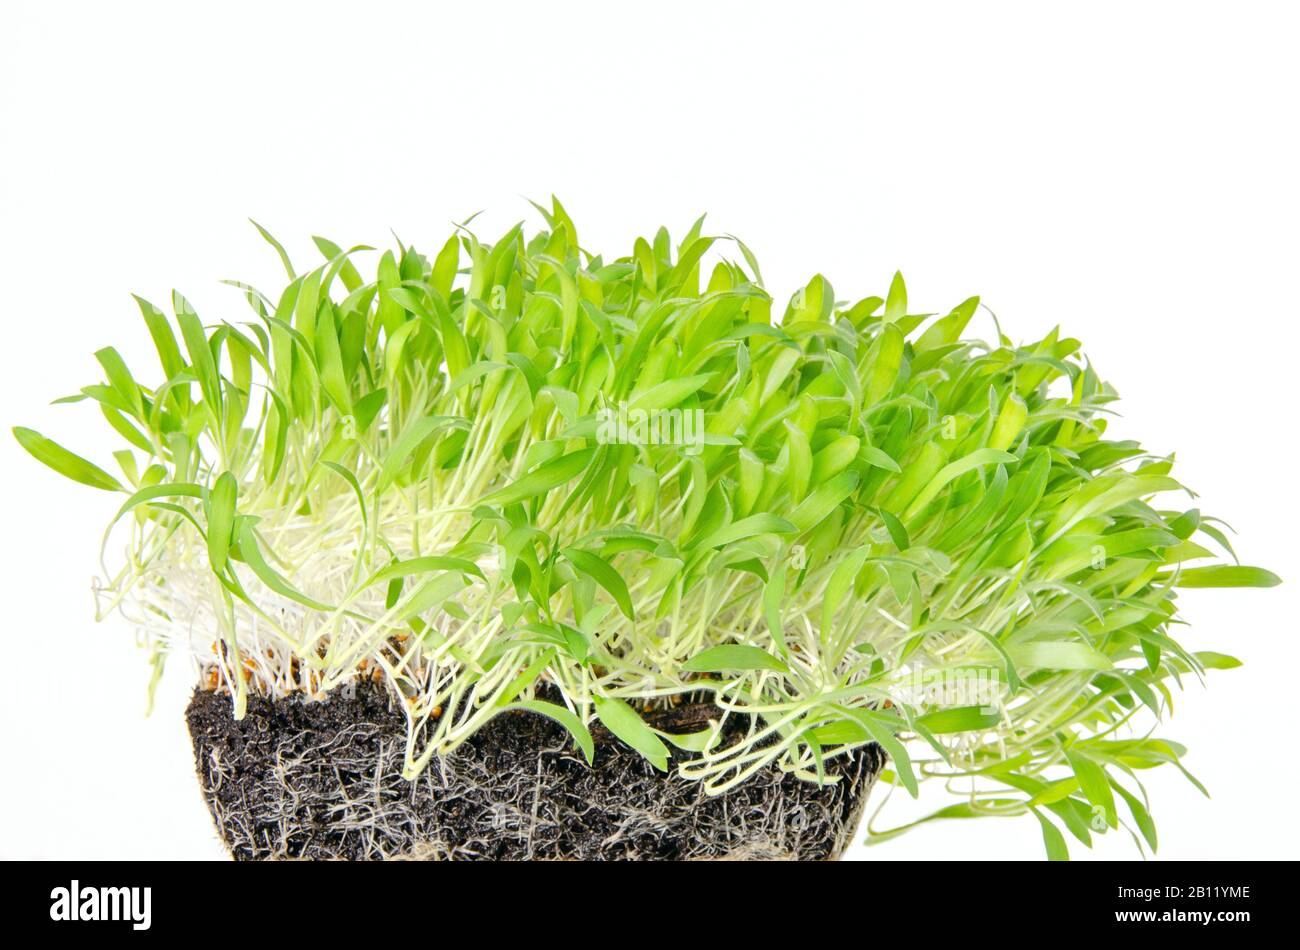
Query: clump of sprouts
point(519, 475)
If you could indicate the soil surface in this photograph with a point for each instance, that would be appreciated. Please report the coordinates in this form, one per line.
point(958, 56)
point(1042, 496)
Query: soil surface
point(321, 780)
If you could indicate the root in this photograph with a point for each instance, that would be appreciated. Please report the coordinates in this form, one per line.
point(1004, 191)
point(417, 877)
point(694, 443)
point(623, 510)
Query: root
point(322, 780)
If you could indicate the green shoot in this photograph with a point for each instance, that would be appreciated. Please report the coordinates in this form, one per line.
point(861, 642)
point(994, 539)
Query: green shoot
point(519, 476)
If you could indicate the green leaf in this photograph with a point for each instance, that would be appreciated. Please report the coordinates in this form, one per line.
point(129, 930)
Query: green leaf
point(882, 729)
point(887, 356)
point(221, 519)
point(879, 458)
point(1053, 840)
point(959, 719)
point(330, 363)
point(599, 570)
point(773, 598)
point(581, 736)
point(1226, 575)
point(823, 500)
point(896, 302)
point(196, 343)
point(733, 656)
point(620, 719)
point(119, 377)
point(1217, 661)
point(953, 470)
point(346, 269)
point(347, 475)
point(1051, 655)
point(430, 594)
point(153, 492)
point(367, 407)
point(700, 741)
point(423, 565)
point(667, 394)
point(542, 479)
point(839, 586)
point(1094, 783)
point(164, 341)
point(576, 642)
point(1011, 419)
point(408, 442)
point(799, 469)
point(251, 555)
point(959, 810)
point(749, 527)
point(279, 248)
point(1141, 817)
point(64, 462)
point(897, 532)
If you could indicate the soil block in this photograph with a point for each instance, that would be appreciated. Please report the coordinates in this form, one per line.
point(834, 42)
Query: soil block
point(322, 780)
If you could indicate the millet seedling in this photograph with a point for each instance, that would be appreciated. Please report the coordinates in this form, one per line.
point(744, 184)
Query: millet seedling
point(400, 479)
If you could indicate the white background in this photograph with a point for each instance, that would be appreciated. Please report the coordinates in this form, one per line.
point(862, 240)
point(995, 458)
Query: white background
point(1128, 171)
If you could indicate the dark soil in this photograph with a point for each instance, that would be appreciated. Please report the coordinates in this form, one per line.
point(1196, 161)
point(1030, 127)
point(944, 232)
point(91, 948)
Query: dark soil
point(319, 780)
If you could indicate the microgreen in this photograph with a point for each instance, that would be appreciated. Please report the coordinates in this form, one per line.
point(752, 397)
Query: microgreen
point(403, 479)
